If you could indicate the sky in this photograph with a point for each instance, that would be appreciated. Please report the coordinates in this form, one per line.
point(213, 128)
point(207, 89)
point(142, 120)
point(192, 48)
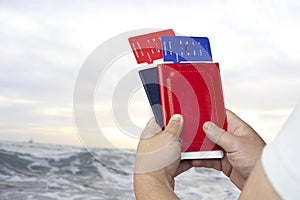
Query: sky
point(44, 45)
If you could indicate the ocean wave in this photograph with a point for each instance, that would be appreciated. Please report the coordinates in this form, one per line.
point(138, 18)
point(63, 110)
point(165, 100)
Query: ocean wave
point(78, 163)
point(60, 176)
point(75, 173)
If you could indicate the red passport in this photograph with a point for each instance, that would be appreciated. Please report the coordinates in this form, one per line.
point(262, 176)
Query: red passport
point(195, 91)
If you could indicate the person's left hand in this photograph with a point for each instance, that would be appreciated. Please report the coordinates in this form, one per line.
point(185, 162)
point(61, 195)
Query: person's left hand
point(158, 160)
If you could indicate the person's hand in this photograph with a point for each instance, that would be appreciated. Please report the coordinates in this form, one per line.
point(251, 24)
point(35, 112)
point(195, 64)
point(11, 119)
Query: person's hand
point(242, 146)
point(158, 160)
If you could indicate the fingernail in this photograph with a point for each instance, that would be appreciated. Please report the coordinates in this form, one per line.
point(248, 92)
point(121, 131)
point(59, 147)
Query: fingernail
point(208, 126)
point(176, 117)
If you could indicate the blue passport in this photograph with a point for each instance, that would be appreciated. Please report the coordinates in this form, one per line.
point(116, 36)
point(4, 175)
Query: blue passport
point(149, 78)
point(182, 48)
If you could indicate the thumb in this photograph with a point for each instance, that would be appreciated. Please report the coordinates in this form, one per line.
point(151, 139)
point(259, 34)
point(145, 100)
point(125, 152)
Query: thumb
point(175, 126)
point(219, 136)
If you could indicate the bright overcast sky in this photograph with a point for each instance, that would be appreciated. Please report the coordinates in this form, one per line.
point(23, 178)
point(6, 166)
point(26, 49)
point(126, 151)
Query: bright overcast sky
point(45, 43)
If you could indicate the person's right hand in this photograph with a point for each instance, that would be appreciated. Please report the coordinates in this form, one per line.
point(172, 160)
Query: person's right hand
point(242, 146)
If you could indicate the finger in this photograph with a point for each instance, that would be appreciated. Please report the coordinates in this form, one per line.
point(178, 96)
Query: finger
point(183, 166)
point(233, 118)
point(233, 122)
point(175, 126)
point(236, 125)
point(219, 136)
point(152, 128)
point(208, 163)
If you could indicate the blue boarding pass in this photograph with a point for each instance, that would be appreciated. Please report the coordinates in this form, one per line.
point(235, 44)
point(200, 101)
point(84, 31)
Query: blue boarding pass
point(182, 48)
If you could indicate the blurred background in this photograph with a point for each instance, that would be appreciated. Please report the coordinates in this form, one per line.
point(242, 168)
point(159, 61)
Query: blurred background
point(45, 43)
point(43, 46)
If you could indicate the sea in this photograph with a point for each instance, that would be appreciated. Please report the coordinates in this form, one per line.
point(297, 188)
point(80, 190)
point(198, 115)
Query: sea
point(33, 171)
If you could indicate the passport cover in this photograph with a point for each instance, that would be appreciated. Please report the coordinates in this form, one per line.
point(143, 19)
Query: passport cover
point(149, 78)
point(195, 91)
point(147, 47)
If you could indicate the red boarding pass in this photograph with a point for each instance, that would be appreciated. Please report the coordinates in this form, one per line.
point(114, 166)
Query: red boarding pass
point(147, 47)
